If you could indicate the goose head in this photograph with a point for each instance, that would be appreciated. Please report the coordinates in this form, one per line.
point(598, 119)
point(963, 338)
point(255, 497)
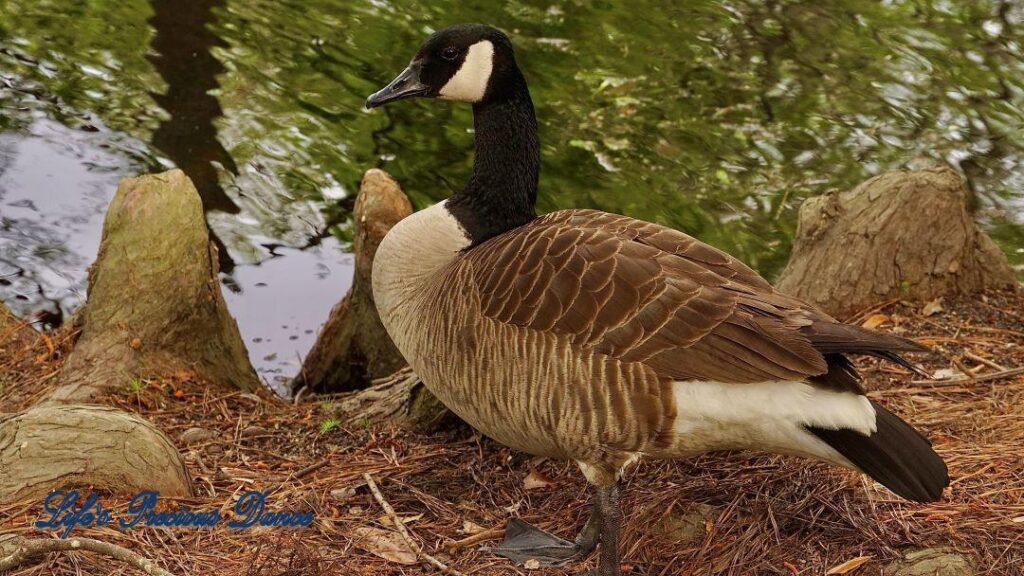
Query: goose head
point(465, 63)
point(474, 63)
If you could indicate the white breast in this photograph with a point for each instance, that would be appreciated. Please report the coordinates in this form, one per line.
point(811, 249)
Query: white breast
point(410, 256)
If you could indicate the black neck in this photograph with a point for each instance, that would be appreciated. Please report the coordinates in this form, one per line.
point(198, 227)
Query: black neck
point(503, 190)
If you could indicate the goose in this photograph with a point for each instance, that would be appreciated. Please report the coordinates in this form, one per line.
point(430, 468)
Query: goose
point(602, 339)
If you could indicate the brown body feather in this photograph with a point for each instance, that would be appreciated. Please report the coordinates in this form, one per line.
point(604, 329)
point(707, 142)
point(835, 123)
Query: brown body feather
point(565, 336)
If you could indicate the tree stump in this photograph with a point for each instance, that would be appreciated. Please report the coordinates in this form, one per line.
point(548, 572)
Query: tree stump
point(69, 446)
point(353, 348)
point(904, 234)
point(155, 306)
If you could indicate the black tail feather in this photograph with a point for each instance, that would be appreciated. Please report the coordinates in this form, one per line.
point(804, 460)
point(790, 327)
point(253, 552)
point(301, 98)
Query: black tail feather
point(896, 455)
point(830, 338)
point(897, 359)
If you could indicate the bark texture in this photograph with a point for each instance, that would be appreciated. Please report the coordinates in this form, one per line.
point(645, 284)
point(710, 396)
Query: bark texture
point(71, 446)
point(155, 306)
point(904, 234)
point(353, 348)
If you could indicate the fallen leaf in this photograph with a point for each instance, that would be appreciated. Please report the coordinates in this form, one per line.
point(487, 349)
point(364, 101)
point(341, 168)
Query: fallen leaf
point(385, 544)
point(531, 564)
point(184, 376)
point(848, 566)
point(49, 344)
point(535, 481)
point(343, 494)
point(471, 528)
point(875, 320)
point(946, 374)
point(1018, 520)
point(933, 307)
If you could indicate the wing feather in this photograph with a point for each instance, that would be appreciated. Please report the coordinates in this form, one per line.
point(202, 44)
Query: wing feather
point(644, 293)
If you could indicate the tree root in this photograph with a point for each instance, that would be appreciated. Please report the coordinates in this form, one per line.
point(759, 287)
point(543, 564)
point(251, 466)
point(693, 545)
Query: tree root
point(400, 398)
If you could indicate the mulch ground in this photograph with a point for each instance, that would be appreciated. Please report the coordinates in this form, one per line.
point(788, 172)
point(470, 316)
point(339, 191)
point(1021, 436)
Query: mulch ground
point(761, 514)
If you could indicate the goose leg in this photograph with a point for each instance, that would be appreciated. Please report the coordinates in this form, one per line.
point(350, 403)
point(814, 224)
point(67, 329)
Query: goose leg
point(524, 541)
point(611, 519)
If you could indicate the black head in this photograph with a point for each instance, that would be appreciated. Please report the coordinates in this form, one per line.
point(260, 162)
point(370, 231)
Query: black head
point(468, 63)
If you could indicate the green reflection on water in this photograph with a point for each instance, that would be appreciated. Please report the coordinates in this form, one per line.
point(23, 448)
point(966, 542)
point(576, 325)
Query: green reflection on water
point(714, 117)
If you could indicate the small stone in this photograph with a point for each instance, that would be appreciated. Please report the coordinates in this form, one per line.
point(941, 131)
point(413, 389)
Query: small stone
point(249, 431)
point(931, 562)
point(343, 494)
point(195, 435)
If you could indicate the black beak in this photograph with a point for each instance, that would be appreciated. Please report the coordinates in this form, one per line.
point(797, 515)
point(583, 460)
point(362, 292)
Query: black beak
point(407, 85)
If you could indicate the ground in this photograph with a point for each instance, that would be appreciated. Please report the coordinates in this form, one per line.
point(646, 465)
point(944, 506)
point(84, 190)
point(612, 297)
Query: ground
point(718, 514)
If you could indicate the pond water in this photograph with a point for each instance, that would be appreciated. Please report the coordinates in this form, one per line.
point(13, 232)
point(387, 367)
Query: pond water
point(714, 117)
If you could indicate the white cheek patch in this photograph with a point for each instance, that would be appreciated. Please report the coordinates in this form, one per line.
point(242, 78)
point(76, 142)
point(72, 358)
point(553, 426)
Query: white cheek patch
point(470, 82)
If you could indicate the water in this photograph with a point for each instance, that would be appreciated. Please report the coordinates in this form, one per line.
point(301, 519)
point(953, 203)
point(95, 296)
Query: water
point(715, 117)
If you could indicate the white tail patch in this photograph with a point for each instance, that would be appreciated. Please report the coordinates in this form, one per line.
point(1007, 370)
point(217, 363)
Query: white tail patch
point(469, 84)
point(766, 416)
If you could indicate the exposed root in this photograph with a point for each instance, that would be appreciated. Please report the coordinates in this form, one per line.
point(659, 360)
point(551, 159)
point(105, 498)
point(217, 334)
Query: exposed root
point(17, 551)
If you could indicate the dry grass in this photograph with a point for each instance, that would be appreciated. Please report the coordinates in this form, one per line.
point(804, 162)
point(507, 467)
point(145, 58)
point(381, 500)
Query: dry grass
point(773, 515)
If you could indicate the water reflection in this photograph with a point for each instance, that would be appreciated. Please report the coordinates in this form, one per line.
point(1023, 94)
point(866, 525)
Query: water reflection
point(714, 117)
point(181, 55)
point(188, 137)
point(48, 239)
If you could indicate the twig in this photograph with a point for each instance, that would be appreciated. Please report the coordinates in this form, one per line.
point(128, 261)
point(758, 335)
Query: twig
point(20, 551)
point(963, 370)
point(484, 536)
point(984, 361)
point(404, 532)
point(297, 475)
point(310, 469)
point(982, 378)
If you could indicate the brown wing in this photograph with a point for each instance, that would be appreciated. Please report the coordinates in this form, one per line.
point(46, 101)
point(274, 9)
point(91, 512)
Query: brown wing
point(645, 293)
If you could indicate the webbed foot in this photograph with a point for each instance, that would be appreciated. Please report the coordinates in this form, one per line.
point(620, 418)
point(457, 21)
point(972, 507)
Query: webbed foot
point(524, 542)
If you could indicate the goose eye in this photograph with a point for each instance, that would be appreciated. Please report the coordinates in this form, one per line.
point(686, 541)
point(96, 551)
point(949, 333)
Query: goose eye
point(450, 53)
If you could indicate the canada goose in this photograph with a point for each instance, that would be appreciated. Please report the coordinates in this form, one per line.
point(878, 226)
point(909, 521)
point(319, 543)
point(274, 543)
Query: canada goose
point(602, 339)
